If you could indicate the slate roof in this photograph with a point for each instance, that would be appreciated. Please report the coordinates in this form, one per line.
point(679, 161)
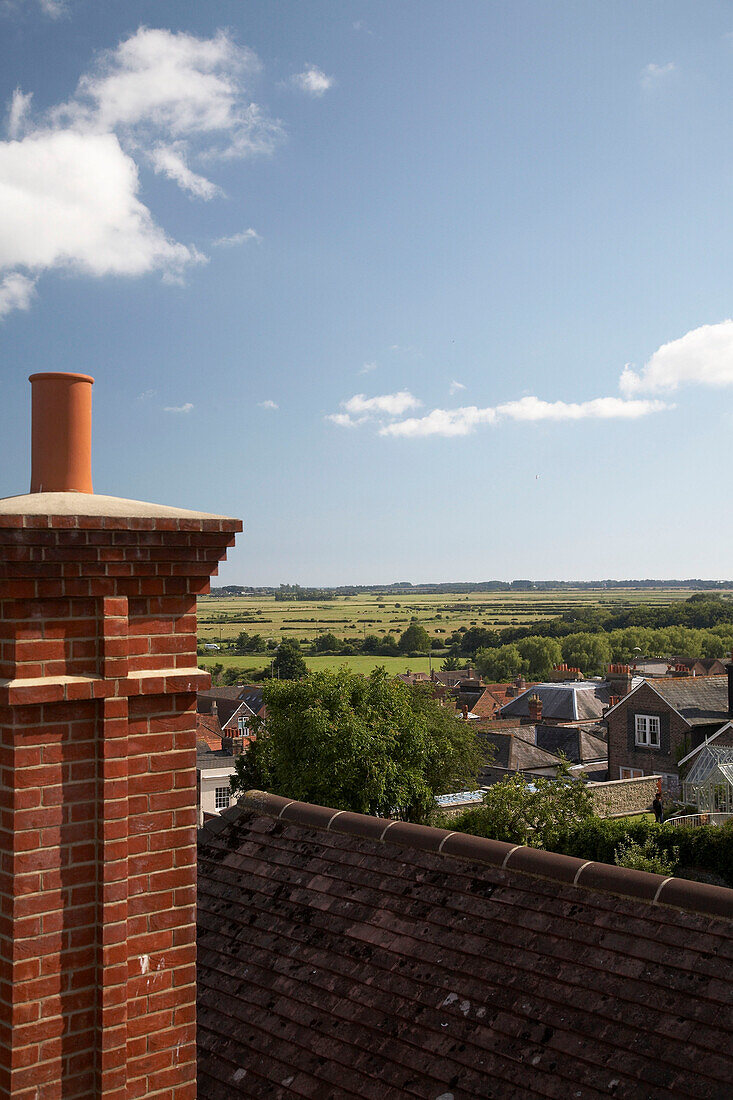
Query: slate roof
point(344, 957)
point(575, 743)
point(206, 759)
point(515, 750)
point(571, 702)
point(225, 707)
point(701, 700)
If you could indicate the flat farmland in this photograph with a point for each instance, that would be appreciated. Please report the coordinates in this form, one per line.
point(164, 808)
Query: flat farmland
point(221, 619)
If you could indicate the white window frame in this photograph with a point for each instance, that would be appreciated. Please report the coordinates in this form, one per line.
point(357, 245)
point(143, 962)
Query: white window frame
point(222, 798)
point(242, 726)
point(630, 773)
point(647, 730)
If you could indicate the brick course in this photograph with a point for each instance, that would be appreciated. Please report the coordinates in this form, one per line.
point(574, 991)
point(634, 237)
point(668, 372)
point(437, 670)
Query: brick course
point(98, 802)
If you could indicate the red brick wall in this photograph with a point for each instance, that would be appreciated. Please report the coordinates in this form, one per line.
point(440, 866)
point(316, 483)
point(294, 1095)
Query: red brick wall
point(98, 803)
point(622, 752)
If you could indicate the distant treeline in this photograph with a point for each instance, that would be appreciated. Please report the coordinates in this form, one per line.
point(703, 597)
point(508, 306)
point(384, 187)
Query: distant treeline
point(296, 592)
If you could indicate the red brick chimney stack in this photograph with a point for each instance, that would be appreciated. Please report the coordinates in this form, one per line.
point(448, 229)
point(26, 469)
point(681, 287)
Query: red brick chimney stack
point(97, 762)
point(535, 708)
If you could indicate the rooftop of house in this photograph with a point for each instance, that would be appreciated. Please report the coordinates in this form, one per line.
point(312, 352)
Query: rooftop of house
point(209, 760)
point(350, 956)
point(701, 700)
point(208, 731)
point(574, 701)
point(516, 750)
point(574, 742)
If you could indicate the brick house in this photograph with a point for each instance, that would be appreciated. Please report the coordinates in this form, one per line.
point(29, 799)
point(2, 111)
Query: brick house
point(660, 721)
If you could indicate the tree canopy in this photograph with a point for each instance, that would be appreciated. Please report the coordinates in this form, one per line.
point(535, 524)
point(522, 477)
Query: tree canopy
point(414, 640)
point(289, 663)
point(537, 814)
point(372, 744)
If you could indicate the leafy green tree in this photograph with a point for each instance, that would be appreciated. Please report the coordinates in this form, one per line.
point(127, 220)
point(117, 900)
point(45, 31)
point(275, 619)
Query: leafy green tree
point(216, 671)
point(232, 675)
point(451, 664)
point(537, 814)
point(503, 663)
point(326, 643)
point(478, 637)
point(414, 640)
point(541, 655)
point(588, 652)
point(388, 646)
point(371, 644)
point(289, 663)
point(369, 744)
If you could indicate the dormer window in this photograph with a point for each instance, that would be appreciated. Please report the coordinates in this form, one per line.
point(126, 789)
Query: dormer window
point(647, 730)
point(242, 727)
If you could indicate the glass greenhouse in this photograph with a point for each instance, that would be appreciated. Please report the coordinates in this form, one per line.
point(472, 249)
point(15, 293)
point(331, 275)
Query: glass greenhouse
point(709, 782)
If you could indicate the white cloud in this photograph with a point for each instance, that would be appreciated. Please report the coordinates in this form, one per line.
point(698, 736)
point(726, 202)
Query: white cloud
point(146, 395)
point(703, 356)
point(455, 387)
point(367, 368)
point(70, 199)
point(69, 186)
point(18, 112)
point(16, 292)
point(392, 404)
point(158, 81)
point(313, 81)
point(170, 160)
point(448, 422)
point(651, 74)
point(178, 408)
point(54, 8)
point(343, 420)
point(463, 421)
point(237, 238)
point(268, 404)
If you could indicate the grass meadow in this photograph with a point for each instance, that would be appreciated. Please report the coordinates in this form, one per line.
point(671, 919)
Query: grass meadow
point(221, 619)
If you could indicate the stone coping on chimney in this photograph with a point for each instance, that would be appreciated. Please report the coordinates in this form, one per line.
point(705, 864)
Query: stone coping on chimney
point(715, 901)
point(56, 689)
point(38, 508)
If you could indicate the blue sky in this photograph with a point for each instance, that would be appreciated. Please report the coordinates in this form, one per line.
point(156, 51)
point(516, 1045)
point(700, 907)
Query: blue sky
point(420, 291)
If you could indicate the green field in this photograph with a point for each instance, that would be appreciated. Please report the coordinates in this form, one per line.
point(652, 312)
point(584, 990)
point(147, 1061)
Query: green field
point(221, 619)
point(351, 618)
point(364, 665)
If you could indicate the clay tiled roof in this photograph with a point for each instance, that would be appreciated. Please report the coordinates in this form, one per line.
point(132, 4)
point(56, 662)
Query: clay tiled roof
point(345, 957)
point(208, 731)
point(701, 700)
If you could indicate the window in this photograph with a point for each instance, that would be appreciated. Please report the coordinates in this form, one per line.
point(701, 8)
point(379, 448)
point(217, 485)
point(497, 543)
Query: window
point(630, 773)
point(647, 730)
point(221, 798)
point(242, 727)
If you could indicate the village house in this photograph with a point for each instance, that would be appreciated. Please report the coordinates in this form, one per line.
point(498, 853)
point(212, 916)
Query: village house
point(561, 703)
point(660, 721)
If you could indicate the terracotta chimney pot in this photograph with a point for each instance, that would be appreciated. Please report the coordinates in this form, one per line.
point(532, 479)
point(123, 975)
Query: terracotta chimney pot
point(61, 433)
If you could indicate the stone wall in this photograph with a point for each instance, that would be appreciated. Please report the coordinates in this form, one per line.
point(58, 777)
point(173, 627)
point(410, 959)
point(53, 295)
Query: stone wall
point(620, 797)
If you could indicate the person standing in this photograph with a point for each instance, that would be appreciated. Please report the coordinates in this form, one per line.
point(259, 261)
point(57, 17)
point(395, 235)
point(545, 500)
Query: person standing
point(658, 808)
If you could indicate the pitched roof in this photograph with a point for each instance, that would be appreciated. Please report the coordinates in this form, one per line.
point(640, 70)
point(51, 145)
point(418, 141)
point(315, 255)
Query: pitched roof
point(571, 702)
point(208, 731)
point(515, 749)
point(701, 700)
point(574, 742)
point(353, 957)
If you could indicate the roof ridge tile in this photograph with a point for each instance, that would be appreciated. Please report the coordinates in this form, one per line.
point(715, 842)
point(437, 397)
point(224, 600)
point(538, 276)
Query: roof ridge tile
point(716, 901)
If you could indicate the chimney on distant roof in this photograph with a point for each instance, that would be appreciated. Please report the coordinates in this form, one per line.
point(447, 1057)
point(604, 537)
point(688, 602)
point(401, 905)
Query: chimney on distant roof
point(535, 708)
point(619, 678)
point(61, 433)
